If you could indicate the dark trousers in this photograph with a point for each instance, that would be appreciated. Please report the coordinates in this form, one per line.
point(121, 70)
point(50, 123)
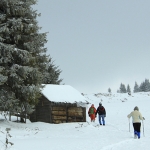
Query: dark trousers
point(137, 127)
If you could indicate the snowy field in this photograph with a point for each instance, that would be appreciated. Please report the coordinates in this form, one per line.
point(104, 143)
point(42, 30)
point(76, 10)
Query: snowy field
point(85, 136)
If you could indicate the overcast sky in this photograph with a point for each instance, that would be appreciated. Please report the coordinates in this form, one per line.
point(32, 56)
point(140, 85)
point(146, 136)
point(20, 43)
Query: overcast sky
point(98, 43)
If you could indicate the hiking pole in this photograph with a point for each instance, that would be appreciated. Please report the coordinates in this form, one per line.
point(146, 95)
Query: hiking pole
point(129, 124)
point(143, 127)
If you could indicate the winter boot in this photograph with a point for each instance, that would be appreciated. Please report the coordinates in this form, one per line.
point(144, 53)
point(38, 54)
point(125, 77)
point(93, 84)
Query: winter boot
point(135, 136)
point(138, 135)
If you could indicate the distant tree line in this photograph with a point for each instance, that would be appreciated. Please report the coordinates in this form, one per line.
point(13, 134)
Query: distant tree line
point(143, 87)
point(124, 89)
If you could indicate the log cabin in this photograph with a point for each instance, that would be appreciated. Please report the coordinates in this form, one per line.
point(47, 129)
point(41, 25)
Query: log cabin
point(60, 104)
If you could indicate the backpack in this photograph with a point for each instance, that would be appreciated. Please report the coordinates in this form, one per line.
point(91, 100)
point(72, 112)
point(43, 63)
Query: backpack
point(91, 111)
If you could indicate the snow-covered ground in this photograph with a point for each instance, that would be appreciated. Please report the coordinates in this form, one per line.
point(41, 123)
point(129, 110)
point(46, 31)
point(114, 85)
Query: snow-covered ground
point(85, 136)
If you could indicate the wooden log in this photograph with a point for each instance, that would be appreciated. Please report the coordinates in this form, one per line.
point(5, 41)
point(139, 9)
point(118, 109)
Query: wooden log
point(75, 108)
point(58, 108)
point(58, 112)
point(59, 117)
point(74, 111)
point(75, 114)
point(59, 121)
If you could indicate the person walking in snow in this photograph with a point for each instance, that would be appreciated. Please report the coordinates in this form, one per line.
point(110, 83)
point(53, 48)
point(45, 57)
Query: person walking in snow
point(91, 112)
point(101, 114)
point(136, 117)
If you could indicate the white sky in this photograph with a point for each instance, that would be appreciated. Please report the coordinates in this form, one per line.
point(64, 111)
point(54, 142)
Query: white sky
point(85, 136)
point(98, 44)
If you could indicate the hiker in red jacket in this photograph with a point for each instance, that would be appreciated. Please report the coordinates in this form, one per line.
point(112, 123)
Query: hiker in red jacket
point(91, 112)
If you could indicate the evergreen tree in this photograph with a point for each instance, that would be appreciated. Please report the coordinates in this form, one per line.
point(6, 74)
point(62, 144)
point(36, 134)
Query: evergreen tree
point(136, 88)
point(51, 75)
point(122, 88)
point(128, 89)
point(142, 87)
point(147, 85)
point(23, 59)
point(109, 90)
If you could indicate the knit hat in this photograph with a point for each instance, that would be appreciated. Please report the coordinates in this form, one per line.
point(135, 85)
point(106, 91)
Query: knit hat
point(100, 104)
point(136, 108)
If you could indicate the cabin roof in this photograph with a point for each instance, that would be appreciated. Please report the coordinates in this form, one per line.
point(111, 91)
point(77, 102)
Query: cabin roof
point(62, 93)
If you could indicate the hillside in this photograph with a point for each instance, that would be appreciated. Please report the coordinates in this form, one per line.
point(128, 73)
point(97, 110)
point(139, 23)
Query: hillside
point(79, 136)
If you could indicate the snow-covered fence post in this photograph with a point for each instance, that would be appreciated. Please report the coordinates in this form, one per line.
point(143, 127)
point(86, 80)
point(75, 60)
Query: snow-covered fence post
point(8, 135)
point(129, 125)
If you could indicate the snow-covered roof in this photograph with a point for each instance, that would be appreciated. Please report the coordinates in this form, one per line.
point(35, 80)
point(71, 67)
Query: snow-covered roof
point(62, 93)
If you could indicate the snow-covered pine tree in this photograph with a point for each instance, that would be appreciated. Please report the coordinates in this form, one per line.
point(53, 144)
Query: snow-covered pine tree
point(109, 90)
point(147, 85)
point(23, 57)
point(128, 89)
point(136, 88)
point(51, 75)
point(122, 88)
point(144, 86)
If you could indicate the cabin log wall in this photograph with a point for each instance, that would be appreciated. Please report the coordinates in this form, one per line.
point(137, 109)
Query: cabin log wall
point(51, 112)
point(68, 114)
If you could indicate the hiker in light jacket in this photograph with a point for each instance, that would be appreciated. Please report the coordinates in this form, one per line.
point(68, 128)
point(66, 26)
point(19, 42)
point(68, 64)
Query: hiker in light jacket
point(91, 112)
point(136, 117)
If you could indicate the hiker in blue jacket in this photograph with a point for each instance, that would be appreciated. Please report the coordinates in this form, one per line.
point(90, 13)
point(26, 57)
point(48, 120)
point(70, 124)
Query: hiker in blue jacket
point(101, 113)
